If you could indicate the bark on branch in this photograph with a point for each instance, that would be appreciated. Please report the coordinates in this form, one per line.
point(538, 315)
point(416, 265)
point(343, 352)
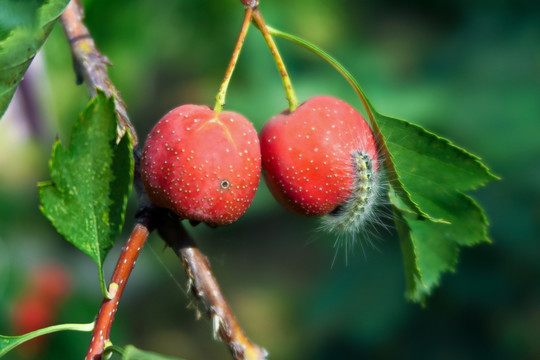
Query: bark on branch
point(205, 289)
point(89, 64)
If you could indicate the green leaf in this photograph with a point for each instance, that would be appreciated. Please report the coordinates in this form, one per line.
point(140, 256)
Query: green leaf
point(428, 166)
point(24, 27)
point(428, 176)
point(434, 173)
point(132, 353)
point(90, 182)
point(8, 343)
point(431, 248)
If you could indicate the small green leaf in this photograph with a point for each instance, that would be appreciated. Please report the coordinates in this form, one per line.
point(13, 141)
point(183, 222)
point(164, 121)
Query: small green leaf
point(431, 248)
point(8, 343)
point(90, 182)
point(132, 353)
point(24, 27)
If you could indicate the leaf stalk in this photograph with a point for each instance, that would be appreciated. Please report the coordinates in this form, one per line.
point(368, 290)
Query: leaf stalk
point(285, 78)
point(220, 97)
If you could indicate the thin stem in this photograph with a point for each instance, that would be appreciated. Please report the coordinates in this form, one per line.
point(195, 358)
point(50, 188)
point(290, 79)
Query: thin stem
point(205, 289)
point(220, 97)
point(289, 91)
point(332, 61)
point(8, 343)
point(124, 266)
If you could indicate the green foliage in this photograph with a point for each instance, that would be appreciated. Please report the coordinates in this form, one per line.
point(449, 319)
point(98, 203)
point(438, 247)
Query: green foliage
point(8, 343)
point(24, 27)
point(427, 165)
point(90, 182)
point(428, 175)
point(434, 173)
point(132, 353)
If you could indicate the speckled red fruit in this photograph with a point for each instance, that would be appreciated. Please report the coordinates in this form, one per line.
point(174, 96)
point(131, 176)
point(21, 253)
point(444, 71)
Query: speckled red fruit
point(202, 165)
point(308, 154)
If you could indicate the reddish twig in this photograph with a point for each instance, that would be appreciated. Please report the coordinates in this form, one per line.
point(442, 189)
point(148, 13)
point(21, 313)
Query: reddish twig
point(91, 67)
point(124, 266)
point(205, 289)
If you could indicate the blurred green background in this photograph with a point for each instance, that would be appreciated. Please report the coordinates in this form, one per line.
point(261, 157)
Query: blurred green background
point(469, 71)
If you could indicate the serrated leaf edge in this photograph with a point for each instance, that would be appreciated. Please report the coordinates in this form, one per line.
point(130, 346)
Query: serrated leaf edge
point(447, 142)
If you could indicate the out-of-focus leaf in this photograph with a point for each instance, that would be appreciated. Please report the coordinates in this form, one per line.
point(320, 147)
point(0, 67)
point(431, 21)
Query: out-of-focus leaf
point(24, 27)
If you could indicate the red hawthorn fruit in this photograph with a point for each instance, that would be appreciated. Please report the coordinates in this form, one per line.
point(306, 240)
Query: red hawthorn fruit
point(37, 306)
point(31, 313)
point(202, 165)
point(51, 281)
point(320, 156)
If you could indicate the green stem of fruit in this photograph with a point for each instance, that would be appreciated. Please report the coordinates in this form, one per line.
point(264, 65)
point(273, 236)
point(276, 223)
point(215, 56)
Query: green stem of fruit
point(220, 97)
point(289, 91)
point(327, 57)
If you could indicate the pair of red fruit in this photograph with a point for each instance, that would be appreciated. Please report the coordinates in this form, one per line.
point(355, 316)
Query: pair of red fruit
point(319, 159)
